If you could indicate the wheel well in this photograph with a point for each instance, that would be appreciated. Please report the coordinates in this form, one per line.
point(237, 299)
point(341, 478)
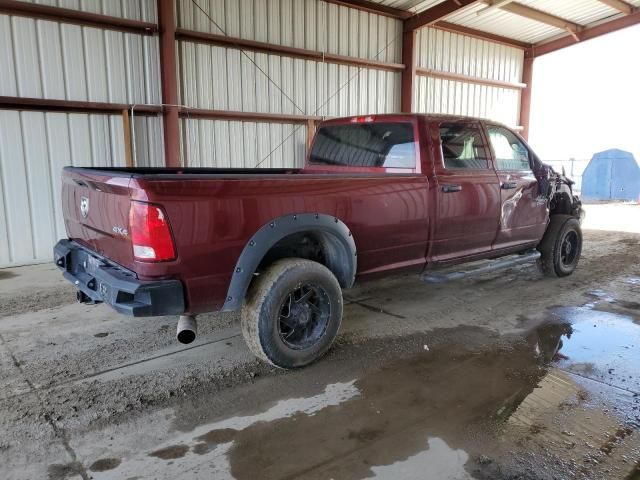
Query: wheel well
point(313, 236)
point(318, 246)
point(561, 204)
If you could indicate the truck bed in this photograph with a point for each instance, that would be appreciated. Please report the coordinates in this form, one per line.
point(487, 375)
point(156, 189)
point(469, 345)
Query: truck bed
point(214, 212)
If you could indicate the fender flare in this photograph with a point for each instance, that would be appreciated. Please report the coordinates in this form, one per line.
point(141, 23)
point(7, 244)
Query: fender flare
point(334, 233)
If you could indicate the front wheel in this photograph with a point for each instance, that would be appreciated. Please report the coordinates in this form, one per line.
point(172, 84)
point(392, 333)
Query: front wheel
point(293, 313)
point(561, 246)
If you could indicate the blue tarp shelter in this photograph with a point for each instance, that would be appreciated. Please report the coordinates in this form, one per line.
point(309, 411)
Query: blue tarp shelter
point(611, 175)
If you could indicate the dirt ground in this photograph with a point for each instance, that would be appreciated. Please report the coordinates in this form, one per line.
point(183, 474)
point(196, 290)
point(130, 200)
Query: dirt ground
point(505, 376)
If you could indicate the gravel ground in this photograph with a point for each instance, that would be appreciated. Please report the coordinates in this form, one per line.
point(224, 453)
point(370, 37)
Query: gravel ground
point(81, 384)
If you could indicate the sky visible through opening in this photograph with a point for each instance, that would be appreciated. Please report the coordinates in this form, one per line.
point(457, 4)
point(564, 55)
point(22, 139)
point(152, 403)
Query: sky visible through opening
point(586, 98)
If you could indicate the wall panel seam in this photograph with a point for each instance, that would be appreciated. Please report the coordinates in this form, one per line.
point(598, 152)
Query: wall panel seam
point(51, 179)
point(27, 175)
point(3, 181)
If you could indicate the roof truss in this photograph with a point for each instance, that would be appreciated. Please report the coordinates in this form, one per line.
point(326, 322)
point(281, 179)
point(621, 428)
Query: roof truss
point(586, 34)
point(538, 16)
point(480, 34)
point(373, 7)
point(619, 5)
point(435, 13)
point(434, 17)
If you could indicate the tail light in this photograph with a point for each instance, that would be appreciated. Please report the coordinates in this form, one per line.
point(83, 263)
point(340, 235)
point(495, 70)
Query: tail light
point(150, 233)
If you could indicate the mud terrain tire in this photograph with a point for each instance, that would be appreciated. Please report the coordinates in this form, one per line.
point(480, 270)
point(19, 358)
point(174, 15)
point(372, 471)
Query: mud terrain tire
point(292, 313)
point(561, 246)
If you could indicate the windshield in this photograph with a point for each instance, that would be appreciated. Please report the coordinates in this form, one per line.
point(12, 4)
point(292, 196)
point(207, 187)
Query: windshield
point(390, 145)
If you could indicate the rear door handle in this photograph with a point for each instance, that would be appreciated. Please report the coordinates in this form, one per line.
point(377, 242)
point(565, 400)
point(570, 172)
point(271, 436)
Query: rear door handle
point(509, 185)
point(451, 188)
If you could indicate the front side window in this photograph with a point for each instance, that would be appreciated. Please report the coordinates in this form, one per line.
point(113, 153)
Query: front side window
point(462, 146)
point(390, 145)
point(510, 152)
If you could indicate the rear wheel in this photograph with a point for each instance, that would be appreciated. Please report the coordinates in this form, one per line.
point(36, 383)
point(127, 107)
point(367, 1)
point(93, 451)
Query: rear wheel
point(561, 246)
point(293, 313)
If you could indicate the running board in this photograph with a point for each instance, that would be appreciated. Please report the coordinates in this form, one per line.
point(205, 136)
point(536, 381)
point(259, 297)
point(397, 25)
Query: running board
point(487, 266)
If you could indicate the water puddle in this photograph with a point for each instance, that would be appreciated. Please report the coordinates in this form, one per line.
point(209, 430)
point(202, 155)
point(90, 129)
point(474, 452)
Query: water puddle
point(4, 274)
point(562, 399)
point(602, 346)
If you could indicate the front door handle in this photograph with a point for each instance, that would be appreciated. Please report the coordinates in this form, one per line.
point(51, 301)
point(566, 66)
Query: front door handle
point(509, 185)
point(451, 188)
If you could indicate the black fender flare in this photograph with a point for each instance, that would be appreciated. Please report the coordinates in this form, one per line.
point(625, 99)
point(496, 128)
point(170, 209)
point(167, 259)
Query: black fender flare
point(335, 236)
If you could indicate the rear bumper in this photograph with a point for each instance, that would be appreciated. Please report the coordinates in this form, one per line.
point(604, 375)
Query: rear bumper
point(99, 281)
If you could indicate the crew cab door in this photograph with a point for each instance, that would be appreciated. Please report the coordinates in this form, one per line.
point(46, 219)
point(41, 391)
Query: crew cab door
point(467, 192)
point(523, 212)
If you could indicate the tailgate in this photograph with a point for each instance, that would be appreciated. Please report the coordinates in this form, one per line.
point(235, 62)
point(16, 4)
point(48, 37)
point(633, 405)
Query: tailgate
point(96, 212)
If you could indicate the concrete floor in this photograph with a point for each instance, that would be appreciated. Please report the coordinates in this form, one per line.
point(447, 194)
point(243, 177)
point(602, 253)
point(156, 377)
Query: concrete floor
point(458, 381)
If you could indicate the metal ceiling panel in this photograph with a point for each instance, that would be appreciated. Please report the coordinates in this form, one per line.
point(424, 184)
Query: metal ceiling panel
point(582, 12)
point(411, 5)
point(504, 23)
point(500, 22)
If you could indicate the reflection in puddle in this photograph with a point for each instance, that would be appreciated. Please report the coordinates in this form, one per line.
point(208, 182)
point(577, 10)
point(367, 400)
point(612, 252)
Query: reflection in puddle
point(334, 394)
point(437, 462)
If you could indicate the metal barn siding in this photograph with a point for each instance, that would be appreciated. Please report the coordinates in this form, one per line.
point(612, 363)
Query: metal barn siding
point(310, 24)
point(51, 60)
point(34, 146)
point(458, 54)
point(144, 10)
point(222, 78)
point(147, 141)
point(44, 59)
point(235, 144)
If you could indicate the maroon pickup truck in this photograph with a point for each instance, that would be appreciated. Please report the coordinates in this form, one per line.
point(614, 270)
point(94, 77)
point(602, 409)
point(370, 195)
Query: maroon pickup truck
point(378, 195)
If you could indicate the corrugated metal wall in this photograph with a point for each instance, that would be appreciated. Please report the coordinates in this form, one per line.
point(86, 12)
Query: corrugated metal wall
point(144, 10)
point(44, 59)
point(51, 60)
point(450, 52)
point(223, 78)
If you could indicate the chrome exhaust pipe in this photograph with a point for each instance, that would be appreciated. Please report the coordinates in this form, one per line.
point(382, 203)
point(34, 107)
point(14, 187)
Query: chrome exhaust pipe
point(187, 329)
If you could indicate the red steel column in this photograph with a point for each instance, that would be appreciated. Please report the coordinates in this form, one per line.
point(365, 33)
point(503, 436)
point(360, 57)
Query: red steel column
point(409, 72)
point(168, 73)
point(525, 95)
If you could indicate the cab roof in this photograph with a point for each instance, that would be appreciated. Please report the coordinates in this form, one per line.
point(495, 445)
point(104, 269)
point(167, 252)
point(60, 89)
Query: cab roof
point(395, 117)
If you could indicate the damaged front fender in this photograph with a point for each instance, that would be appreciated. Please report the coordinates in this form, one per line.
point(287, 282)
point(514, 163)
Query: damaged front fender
point(558, 190)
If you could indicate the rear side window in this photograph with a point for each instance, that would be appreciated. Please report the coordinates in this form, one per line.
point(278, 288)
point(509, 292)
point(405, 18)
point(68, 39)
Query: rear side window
point(390, 145)
point(463, 146)
point(510, 152)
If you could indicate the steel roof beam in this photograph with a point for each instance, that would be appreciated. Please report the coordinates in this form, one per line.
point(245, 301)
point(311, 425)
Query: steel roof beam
point(372, 7)
point(494, 5)
point(435, 13)
point(480, 34)
point(586, 34)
